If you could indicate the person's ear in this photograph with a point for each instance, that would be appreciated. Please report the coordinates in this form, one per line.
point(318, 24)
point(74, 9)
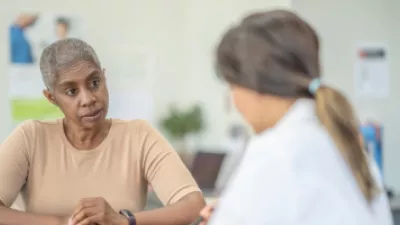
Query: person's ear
point(50, 97)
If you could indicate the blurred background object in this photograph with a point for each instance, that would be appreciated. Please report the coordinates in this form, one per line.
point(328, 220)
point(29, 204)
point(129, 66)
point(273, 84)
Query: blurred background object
point(180, 123)
point(20, 45)
point(63, 26)
point(372, 132)
point(235, 144)
point(29, 34)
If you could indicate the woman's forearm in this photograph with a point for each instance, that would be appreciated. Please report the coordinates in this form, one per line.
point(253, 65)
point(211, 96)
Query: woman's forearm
point(183, 212)
point(13, 217)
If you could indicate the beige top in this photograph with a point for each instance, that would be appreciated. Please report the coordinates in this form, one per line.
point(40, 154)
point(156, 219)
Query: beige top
point(53, 176)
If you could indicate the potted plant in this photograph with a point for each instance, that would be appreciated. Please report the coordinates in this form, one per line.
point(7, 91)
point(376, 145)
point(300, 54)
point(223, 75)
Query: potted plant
point(181, 123)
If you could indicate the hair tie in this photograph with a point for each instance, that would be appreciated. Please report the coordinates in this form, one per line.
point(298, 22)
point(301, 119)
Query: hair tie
point(314, 85)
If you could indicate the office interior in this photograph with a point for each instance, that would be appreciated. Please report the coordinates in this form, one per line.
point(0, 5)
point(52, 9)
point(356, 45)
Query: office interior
point(160, 54)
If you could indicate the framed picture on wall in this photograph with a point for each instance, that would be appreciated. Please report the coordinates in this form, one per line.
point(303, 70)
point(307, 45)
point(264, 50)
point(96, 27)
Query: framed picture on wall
point(29, 34)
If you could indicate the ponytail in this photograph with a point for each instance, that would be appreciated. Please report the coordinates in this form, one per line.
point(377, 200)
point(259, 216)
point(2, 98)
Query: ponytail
point(335, 112)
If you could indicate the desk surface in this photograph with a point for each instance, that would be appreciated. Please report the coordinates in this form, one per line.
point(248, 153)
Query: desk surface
point(395, 203)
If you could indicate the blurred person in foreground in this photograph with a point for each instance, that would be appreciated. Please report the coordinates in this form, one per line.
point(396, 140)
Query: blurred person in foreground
point(20, 47)
point(306, 164)
point(86, 168)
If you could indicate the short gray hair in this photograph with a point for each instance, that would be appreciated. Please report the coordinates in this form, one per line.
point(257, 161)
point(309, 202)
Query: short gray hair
point(62, 54)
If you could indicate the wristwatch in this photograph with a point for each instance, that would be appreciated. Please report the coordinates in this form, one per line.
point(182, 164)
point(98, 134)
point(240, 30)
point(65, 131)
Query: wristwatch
point(131, 218)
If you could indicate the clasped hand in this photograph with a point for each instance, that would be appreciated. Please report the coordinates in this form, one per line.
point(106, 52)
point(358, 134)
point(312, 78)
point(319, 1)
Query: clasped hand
point(207, 212)
point(97, 211)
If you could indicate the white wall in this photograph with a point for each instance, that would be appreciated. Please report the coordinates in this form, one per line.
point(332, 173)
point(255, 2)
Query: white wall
point(341, 24)
point(179, 35)
point(5, 109)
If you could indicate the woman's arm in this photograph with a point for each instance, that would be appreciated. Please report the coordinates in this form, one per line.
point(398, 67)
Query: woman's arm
point(14, 167)
point(13, 217)
point(171, 181)
point(183, 212)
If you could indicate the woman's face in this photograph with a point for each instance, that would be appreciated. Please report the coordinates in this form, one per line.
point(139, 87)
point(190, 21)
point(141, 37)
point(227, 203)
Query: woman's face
point(247, 103)
point(81, 93)
point(261, 111)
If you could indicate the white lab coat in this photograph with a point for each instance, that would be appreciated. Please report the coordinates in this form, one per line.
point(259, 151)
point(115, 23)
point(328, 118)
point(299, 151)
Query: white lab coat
point(293, 174)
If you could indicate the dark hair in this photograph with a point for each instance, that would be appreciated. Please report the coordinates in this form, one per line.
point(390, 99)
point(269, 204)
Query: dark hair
point(63, 21)
point(277, 53)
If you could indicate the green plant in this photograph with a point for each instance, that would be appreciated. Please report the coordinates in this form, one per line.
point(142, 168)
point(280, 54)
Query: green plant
point(180, 123)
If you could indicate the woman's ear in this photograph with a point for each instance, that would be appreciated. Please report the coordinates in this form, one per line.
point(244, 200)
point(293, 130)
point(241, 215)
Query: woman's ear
point(49, 96)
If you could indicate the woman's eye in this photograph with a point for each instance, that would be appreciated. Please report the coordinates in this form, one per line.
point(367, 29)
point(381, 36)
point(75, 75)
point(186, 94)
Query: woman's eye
point(71, 92)
point(95, 83)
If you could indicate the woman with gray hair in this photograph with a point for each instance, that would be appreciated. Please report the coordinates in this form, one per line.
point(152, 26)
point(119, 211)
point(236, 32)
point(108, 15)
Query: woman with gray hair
point(86, 168)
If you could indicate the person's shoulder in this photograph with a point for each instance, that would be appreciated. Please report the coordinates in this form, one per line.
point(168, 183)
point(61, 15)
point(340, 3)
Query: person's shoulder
point(274, 143)
point(15, 27)
point(34, 127)
point(30, 132)
point(130, 124)
point(139, 132)
point(307, 135)
point(138, 126)
point(307, 149)
point(299, 143)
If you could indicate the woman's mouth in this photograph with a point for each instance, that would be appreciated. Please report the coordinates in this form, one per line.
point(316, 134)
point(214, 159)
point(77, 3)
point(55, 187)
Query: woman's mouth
point(92, 116)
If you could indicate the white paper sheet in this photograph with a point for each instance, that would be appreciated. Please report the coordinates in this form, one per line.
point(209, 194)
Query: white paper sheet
point(372, 71)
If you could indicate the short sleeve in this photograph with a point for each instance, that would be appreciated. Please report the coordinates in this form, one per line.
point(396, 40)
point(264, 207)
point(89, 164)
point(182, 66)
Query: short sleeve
point(14, 163)
point(260, 193)
point(163, 168)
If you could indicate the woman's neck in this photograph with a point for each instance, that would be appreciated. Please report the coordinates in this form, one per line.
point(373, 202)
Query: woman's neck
point(272, 110)
point(84, 138)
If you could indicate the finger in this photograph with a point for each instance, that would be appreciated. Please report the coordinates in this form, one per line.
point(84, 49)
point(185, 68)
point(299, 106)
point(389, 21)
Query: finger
point(204, 222)
point(99, 199)
point(198, 221)
point(206, 212)
point(84, 203)
point(83, 214)
point(89, 202)
point(95, 219)
point(86, 221)
point(82, 211)
point(96, 200)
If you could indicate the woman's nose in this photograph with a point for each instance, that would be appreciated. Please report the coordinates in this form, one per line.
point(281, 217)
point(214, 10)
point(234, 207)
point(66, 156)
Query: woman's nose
point(87, 98)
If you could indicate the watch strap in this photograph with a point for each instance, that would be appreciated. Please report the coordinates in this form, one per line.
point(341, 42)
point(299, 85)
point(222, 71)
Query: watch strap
point(129, 215)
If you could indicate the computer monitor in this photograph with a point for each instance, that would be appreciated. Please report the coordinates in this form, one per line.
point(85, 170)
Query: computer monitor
point(205, 169)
